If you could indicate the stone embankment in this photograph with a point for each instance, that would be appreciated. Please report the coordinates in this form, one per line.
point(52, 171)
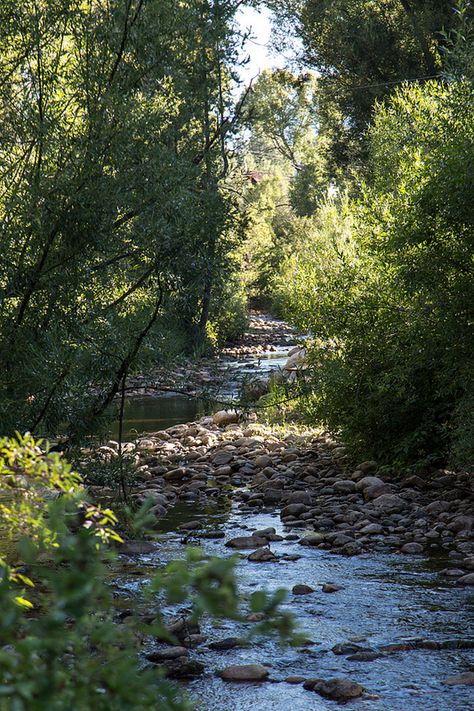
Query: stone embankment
point(322, 502)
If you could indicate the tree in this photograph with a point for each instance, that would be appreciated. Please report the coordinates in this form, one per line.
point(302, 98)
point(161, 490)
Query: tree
point(112, 149)
point(362, 50)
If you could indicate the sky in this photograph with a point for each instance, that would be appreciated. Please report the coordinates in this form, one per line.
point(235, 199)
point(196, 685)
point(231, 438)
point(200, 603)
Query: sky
point(258, 46)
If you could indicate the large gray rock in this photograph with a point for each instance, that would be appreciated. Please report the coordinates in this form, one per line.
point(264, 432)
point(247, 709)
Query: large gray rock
point(299, 497)
point(225, 417)
point(372, 529)
point(466, 678)
point(160, 655)
point(293, 510)
point(245, 672)
point(302, 590)
point(466, 579)
point(262, 555)
point(242, 542)
point(312, 539)
point(412, 548)
point(368, 481)
point(222, 458)
point(345, 486)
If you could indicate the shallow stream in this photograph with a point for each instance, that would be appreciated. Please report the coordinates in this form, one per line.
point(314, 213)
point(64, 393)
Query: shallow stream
point(385, 599)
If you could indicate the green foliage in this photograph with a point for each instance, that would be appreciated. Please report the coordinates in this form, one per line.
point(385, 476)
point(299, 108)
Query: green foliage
point(70, 650)
point(362, 49)
point(229, 314)
point(389, 289)
point(114, 117)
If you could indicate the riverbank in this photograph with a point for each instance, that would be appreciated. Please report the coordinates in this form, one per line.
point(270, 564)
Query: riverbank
point(379, 567)
point(379, 570)
point(220, 376)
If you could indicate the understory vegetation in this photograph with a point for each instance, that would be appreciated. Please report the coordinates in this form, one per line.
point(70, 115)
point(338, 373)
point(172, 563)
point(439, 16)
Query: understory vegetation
point(375, 260)
point(63, 643)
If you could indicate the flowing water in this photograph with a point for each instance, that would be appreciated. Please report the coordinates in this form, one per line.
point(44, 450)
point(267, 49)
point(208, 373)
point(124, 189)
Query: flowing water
point(151, 413)
point(385, 599)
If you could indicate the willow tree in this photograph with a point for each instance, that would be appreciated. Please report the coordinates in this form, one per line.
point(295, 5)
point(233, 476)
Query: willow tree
point(362, 50)
point(110, 144)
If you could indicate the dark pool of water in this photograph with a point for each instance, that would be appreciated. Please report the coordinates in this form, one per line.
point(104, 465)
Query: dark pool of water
point(152, 413)
point(386, 599)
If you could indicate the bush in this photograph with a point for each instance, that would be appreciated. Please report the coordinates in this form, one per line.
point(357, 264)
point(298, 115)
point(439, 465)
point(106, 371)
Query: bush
point(389, 289)
point(61, 645)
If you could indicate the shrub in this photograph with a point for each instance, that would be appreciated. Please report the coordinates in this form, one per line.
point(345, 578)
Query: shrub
point(61, 645)
point(389, 288)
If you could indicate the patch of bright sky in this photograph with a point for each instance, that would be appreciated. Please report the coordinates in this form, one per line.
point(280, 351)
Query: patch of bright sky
point(258, 47)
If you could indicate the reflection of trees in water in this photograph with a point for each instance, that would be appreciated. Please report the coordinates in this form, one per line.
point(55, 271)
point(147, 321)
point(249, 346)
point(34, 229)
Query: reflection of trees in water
point(151, 414)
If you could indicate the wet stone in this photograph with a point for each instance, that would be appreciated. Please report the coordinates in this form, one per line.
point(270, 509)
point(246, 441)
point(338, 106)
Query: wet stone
point(335, 689)
point(412, 548)
point(331, 588)
point(160, 655)
point(467, 678)
point(302, 590)
point(245, 672)
point(242, 542)
point(221, 645)
point(262, 555)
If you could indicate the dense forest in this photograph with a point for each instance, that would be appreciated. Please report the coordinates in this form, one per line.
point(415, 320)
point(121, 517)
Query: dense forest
point(149, 200)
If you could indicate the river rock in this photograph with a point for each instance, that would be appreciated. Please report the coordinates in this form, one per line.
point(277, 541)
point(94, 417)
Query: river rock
point(160, 655)
point(367, 467)
point(293, 510)
point(223, 457)
point(183, 668)
point(190, 526)
point(345, 486)
point(265, 532)
point(331, 588)
point(222, 645)
point(245, 672)
point(302, 590)
point(335, 689)
point(272, 497)
point(467, 678)
point(364, 656)
point(136, 547)
point(299, 497)
point(311, 539)
point(389, 503)
point(372, 529)
point(242, 542)
point(466, 579)
point(461, 523)
point(468, 563)
point(412, 548)
point(263, 460)
point(369, 481)
point(262, 555)
point(225, 417)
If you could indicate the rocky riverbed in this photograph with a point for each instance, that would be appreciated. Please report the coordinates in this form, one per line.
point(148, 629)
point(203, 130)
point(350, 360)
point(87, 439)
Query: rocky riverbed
point(379, 567)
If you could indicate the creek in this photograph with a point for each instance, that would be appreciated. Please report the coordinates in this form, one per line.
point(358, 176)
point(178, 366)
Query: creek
point(384, 598)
